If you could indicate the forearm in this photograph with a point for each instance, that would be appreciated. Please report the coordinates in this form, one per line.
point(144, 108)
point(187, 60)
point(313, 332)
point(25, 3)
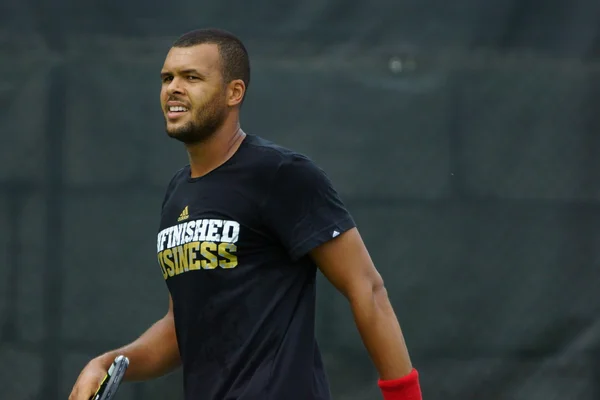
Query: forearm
point(153, 354)
point(381, 332)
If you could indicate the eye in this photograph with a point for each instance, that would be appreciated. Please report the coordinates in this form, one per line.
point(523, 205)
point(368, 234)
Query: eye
point(167, 78)
point(192, 78)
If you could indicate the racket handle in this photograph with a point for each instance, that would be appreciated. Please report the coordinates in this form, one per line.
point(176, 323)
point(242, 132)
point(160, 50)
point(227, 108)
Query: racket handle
point(113, 378)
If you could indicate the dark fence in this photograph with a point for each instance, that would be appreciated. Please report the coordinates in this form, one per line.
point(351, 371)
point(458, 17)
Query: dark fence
point(464, 137)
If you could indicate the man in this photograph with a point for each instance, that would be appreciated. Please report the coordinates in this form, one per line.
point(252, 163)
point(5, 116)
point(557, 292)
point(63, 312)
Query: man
point(244, 227)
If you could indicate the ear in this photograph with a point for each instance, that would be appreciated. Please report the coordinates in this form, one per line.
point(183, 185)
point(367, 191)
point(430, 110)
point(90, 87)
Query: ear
point(235, 92)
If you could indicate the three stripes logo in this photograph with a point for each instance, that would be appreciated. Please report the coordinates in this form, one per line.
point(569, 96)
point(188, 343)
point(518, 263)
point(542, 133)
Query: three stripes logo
point(184, 214)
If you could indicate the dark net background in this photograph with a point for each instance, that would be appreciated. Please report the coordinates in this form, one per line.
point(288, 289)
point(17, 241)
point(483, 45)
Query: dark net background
point(463, 136)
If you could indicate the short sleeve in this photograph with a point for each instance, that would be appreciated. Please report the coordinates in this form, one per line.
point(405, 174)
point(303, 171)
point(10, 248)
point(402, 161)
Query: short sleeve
point(302, 208)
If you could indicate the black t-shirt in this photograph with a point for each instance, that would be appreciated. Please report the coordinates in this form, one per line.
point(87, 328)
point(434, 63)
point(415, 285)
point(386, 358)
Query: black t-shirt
point(233, 248)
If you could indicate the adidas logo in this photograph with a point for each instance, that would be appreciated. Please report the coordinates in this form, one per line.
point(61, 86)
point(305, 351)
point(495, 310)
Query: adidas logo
point(184, 214)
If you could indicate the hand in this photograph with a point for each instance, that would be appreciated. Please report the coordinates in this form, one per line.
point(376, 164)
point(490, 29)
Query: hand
point(88, 381)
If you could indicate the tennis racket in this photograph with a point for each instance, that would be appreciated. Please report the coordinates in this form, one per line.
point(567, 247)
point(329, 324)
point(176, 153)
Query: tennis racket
point(109, 385)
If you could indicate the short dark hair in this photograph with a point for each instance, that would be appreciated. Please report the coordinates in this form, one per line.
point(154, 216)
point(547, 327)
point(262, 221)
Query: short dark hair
point(234, 56)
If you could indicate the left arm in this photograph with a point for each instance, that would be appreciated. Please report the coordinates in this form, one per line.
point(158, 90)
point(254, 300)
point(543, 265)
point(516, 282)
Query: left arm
point(305, 212)
point(346, 263)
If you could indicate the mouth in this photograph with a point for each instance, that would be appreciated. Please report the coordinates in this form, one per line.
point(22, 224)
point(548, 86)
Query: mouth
point(174, 112)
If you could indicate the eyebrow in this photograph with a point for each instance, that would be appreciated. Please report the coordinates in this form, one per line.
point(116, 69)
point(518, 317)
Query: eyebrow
point(185, 71)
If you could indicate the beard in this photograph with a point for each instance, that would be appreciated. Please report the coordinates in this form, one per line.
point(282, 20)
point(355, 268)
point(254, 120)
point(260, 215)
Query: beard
point(203, 125)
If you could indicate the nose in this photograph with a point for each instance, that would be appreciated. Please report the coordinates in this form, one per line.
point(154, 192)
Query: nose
point(174, 87)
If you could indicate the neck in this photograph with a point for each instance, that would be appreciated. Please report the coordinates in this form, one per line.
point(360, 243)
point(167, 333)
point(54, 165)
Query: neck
point(209, 154)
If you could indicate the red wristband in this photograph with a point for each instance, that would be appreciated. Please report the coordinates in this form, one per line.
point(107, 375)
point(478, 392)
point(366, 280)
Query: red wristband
point(405, 388)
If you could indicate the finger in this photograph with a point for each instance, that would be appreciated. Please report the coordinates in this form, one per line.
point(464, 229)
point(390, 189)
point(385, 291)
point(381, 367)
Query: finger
point(79, 394)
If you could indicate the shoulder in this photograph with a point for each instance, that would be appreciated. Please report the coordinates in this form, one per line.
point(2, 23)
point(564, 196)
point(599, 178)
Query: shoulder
point(280, 160)
point(176, 178)
point(288, 175)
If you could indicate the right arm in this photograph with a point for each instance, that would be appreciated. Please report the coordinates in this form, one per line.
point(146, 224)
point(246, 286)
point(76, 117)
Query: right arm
point(154, 354)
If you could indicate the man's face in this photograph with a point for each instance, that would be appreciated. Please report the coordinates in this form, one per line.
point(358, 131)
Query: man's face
point(193, 95)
